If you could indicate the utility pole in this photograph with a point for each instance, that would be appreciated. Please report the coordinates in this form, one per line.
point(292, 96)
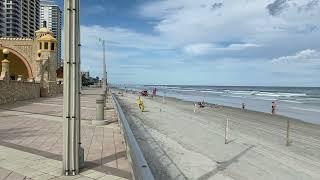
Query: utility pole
point(72, 150)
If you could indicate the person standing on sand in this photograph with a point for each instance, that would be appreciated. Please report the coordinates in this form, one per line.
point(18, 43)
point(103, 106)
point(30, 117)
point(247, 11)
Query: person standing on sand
point(141, 104)
point(195, 107)
point(273, 107)
point(243, 106)
point(154, 92)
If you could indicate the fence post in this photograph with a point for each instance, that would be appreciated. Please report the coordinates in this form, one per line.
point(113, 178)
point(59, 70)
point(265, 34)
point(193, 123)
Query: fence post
point(163, 98)
point(226, 134)
point(288, 132)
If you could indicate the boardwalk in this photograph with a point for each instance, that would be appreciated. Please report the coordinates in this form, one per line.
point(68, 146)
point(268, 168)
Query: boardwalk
point(31, 141)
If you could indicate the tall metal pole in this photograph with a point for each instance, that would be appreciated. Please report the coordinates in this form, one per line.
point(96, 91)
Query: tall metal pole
point(104, 85)
point(71, 89)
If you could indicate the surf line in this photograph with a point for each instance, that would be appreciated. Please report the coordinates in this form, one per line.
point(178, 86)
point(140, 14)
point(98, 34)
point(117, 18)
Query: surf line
point(304, 109)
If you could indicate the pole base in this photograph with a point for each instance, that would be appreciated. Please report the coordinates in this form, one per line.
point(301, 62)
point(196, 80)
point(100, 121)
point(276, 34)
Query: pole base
point(99, 122)
point(81, 157)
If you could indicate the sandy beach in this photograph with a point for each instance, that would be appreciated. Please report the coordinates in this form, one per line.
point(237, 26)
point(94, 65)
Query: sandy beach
point(179, 143)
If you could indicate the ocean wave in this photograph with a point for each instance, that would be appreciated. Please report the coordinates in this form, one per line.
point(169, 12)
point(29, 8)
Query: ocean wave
point(211, 91)
point(172, 87)
point(305, 109)
point(186, 90)
point(281, 94)
point(309, 99)
point(292, 101)
point(263, 98)
point(234, 96)
point(241, 92)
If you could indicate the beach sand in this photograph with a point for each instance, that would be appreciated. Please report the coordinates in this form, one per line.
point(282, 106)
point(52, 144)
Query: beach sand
point(179, 143)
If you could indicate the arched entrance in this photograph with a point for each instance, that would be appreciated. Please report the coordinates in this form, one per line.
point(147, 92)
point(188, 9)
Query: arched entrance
point(18, 64)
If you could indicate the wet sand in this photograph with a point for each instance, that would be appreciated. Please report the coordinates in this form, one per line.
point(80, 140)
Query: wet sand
point(182, 144)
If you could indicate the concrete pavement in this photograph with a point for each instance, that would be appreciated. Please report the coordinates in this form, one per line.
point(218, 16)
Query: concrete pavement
point(31, 141)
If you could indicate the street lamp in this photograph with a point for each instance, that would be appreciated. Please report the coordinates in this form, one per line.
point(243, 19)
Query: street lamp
point(104, 68)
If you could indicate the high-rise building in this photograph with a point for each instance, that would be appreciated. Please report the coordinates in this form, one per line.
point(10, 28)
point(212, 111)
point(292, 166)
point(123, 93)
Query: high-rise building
point(19, 18)
point(51, 13)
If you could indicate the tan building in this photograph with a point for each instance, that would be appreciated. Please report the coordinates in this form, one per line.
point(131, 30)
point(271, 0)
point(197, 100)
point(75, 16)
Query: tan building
point(32, 59)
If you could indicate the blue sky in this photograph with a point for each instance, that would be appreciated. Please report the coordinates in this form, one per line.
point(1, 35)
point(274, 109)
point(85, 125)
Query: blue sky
point(204, 42)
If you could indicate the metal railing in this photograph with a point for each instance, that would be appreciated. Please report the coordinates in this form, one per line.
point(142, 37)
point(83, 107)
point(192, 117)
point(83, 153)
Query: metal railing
point(140, 168)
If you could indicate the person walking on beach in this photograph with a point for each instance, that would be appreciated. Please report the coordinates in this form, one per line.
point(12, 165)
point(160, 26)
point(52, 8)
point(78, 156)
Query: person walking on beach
point(141, 104)
point(243, 106)
point(154, 92)
point(273, 107)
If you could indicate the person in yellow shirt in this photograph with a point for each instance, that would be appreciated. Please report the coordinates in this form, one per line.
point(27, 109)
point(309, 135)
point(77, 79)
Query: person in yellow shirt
point(140, 103)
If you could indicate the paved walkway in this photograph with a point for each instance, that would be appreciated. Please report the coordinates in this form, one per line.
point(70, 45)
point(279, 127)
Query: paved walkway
point(31, 141)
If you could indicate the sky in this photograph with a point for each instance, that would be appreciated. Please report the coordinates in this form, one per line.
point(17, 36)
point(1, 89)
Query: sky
point(203, 42)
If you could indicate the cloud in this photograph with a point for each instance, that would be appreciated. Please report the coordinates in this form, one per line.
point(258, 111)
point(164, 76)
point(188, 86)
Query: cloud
point(245, 42)
point(305, 56)
point(125, 49)
point(208, 48)
point(185, 22)
point(121, 37)
point(199, 49)
point(277, 7)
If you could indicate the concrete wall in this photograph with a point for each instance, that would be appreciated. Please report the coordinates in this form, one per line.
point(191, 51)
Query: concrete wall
point(12, 91)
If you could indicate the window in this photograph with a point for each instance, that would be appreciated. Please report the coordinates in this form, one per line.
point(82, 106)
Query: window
point(52, 46)
point(40, 45)
point(46, 45)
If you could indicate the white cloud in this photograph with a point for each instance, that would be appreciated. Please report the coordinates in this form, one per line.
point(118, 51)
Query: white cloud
point(208, 48)
point(241, 36)
point(120, 37)
point(185, 22)
point(242, 46)
point(199, 49)
point(305, 56)
point(122, 45)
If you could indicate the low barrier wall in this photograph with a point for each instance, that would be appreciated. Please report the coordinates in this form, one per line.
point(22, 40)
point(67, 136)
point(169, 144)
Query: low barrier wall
point(12, 91)
point(140, 167)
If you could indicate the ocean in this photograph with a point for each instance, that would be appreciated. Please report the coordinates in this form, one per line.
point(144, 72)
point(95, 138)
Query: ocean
point(302, 103)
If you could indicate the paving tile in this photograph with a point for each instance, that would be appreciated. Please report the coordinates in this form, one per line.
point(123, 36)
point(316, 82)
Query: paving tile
point(16, 176)
point(123, 163)
point(43, 177)
point(84, 178)
point(95, 175)
point(56, 172)
point(67, 177)
point(4, 173)
point(38, 136)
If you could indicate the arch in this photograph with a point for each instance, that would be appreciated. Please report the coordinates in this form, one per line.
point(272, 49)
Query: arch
point(21, 57)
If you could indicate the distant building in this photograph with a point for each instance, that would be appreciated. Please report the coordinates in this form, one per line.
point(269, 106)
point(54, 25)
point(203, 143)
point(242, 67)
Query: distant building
point(19, 18)
point(52, 14)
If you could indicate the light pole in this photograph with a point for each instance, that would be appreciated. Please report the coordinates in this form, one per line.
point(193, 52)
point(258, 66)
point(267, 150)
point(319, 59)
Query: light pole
point(72, 151)
point(104, 67)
